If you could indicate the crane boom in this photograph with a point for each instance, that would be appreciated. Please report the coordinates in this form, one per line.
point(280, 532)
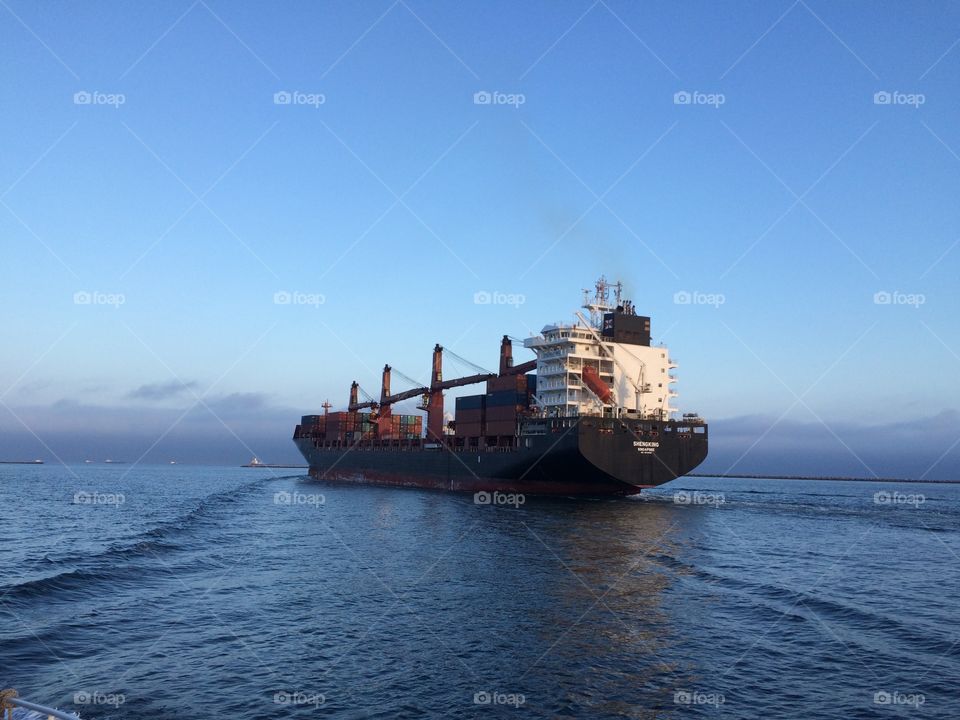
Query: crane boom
point(521, 369)
point(445, 385)
point(469, 380)
point(437, 386)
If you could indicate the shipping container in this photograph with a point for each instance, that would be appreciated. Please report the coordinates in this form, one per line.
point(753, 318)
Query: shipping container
point(517, 383)
point(506, 397)
point(469, 430)
point(470, 402)
point(501, 427)
point(502, 412)
point(477, 414)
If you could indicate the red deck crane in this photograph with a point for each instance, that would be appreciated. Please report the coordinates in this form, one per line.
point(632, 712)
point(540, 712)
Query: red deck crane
point(433, 394)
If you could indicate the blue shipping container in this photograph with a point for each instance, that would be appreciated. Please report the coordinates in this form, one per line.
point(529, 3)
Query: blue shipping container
point(471, 402)
point(506, 397)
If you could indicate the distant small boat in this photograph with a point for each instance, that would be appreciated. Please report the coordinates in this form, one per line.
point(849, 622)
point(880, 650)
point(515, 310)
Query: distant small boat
point(257, 463)
point(21, 462)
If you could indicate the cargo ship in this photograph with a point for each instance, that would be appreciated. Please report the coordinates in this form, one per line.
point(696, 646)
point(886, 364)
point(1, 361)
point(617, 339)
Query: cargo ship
point(590, 414)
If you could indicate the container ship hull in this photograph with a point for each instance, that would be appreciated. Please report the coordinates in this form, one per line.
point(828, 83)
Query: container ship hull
point(582, 456)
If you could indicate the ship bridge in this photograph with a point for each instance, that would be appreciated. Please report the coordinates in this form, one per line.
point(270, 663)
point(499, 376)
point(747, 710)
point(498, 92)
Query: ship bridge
point(604, 364)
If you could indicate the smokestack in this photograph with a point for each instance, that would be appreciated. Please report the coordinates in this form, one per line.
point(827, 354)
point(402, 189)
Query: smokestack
point(354, 394)
point(506, 354)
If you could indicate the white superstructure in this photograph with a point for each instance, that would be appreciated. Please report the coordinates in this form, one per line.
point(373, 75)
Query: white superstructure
point(634, 377)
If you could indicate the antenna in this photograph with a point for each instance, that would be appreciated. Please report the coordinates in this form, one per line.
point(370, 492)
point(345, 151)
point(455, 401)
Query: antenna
point(601, 299)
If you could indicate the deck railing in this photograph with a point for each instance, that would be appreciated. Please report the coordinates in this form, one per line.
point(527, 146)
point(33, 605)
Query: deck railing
point(9, 701)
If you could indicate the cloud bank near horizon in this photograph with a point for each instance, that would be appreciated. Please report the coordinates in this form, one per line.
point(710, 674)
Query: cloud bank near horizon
point(230, 428)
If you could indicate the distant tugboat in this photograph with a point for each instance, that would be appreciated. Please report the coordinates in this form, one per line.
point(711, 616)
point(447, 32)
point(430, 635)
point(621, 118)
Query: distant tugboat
point(257, 463)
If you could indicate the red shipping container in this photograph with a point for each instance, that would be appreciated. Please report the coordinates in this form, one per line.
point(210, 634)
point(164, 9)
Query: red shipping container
point(501, 428)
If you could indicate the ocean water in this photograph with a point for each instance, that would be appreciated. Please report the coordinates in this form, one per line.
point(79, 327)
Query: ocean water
point(180, 592)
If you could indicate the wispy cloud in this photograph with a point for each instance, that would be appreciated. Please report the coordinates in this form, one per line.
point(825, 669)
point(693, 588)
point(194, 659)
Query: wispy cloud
point(162, 390)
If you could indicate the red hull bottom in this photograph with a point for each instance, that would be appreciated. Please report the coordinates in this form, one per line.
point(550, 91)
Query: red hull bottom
point(478, 484)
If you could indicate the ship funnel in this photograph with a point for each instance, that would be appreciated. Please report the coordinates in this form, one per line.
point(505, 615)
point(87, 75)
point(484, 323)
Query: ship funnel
point(506, 354)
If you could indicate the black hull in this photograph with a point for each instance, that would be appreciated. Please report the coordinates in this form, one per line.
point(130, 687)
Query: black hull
point(581, 456)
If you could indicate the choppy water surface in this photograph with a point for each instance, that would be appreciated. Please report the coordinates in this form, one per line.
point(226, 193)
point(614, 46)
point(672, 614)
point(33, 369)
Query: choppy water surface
point(134, 592)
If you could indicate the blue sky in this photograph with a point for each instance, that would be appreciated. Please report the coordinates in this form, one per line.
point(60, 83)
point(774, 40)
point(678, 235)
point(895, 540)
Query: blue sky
point(783, 189)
